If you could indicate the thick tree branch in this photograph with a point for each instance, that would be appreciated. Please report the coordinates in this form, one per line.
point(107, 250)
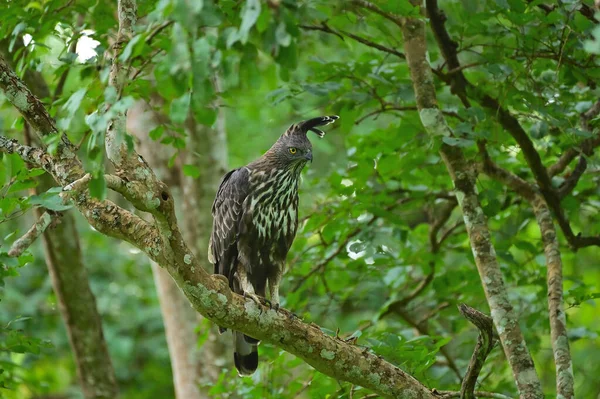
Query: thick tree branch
point(20, 245)
point(30, 107)
point(463, 177)
point(485, 344)
point(210, 295)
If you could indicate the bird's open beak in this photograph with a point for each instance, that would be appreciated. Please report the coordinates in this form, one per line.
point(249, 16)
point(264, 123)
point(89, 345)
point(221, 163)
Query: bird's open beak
point(308, 156)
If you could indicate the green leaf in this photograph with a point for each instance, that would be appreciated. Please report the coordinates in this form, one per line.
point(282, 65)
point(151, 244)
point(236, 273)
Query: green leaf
point(50, 200)
point(456, 141)
point(98, 186)
point(250, 14)
point(191, 170)
point(133, 48)
point(74, 102)
point(205, 116)
point(157, 132)
point(180, 108)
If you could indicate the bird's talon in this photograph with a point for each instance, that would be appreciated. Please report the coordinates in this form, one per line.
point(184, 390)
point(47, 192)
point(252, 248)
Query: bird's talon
point(255, 298)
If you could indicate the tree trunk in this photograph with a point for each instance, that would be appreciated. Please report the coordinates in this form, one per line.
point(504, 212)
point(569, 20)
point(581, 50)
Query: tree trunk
point(464, 178)
point(70, 283)
point(77, 306)
point(179, 318)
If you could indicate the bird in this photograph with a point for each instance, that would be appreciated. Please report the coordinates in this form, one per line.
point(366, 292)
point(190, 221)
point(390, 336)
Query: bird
point(255, 219)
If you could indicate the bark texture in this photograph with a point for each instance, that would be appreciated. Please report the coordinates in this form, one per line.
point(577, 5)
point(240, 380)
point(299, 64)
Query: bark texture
point(207, 150)
point(558, 322)
point(464, 178)
point(485, 344)
point(179, 319)
point(77, 306)
point(558, 325)
point(20, 245)
point(64, 260)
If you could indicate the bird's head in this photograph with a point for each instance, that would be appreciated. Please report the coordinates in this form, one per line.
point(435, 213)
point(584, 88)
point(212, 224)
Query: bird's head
point(293, 147)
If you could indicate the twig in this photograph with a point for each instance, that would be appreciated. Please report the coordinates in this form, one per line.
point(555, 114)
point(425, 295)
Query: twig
point(569, 184)
point(374, 8)
point(20, 245)
point(586, 147)
point(485, 343)
point(63, 77)
point(445, 213)
point(64, 6)
point(389, 108)
point(325, 28)
point(478, 394)
point(422, 329)
point(339, 249)
point(463, 67)
point(157, 30)
point(434, 311)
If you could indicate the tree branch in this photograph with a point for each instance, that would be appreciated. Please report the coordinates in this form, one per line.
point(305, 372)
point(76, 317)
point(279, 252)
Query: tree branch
point(20, 245)
point(464, 180)
point(558, 328)
point(374, 8)
point(464, 88)
point(210, 295)
point(485, 344)
point(478, 394)
point(325, 28)
point(558, 323)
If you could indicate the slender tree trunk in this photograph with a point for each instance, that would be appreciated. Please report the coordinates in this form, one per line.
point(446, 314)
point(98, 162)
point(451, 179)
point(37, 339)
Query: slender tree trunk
point(77, 306)
point(558, 322)
point(464, 178)
point(76, 302)
point(191, 366)
point(179, 318)
point(207, 149)
point(180, 321)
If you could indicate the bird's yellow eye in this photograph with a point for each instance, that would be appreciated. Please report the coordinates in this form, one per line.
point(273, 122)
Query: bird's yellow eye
point(293, 150)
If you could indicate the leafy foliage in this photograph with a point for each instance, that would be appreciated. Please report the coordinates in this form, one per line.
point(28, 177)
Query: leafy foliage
point(382, 257)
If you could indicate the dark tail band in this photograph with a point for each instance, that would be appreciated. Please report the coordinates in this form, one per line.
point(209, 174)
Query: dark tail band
point(245, 356)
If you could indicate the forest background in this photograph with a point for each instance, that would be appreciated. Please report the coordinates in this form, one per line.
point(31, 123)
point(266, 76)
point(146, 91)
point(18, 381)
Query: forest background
point(462, 170)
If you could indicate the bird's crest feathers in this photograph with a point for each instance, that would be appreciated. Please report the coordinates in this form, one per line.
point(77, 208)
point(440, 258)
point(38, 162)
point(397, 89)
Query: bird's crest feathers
point(311, 125)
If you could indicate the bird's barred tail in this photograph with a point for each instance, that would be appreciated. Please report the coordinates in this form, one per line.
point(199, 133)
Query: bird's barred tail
point(311, 124)
point(245, 356)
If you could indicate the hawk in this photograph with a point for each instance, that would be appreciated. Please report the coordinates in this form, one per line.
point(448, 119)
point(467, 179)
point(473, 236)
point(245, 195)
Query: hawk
point(255, 218)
